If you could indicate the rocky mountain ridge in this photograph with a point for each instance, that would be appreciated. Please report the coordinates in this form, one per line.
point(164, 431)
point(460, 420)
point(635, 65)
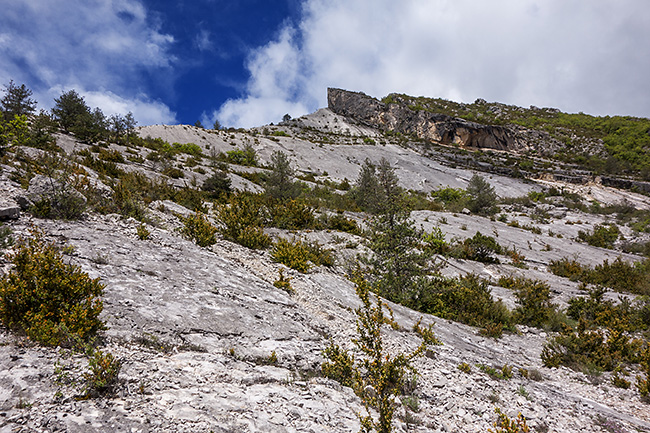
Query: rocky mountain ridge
point(422, 124)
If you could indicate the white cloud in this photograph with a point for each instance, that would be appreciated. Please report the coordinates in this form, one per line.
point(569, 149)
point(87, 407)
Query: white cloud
point(145, 111)
point(571, 54)
point(101, 44)
point(275, 87)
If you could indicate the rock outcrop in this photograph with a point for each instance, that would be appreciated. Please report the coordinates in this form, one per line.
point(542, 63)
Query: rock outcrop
point(440, 128)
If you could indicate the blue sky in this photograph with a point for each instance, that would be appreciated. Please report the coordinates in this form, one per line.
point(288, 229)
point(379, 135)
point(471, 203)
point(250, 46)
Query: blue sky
point(248, 62)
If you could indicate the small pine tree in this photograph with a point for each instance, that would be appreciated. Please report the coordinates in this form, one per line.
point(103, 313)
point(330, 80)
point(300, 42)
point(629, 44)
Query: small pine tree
point(280, 184)
point(366, 189)
point(69, 109)
point(483, 199)
point(17, 101)
point(399, 254)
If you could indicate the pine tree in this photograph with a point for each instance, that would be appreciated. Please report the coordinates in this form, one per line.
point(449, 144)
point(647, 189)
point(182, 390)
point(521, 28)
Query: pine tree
point(69, 109)
point(398, 259)
point(280, 184)
point(17, 101)
point(366, 188)
point(483, 197)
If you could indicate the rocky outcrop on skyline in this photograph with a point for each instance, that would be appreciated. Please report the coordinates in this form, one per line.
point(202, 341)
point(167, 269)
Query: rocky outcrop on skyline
point(439, 128)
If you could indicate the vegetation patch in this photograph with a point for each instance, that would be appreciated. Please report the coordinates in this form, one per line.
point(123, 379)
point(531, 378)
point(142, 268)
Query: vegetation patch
point(200, 230)
point(52, 302)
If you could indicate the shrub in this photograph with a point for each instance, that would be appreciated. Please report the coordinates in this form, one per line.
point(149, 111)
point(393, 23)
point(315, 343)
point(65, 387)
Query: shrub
point(449, 195)
point(618, 275)
point(467, 300)
point(435, 241)
point(298, 254)
point(142, 232)
point(376, 376)
point(200, 230)
point(602, 236)
point(173, 172)
point(280, 184)
point(585, 348)
point(217, 185)
point(65, 205)
point(292, 254)
point(246, 156)
point(188, 148)
point(126, 202)
point(643, 384)
point(480, 248)
point(242, 220)
point(102, 375)
point(505, 425)
point(567, 268)
point(341, 223)
point(340, 365)
point(365, 191)
point(593, 308)
point(283, 282)
point(534, 299)
point(6, 240)
point(290, 214)
point(54, 303)
point(465, 367)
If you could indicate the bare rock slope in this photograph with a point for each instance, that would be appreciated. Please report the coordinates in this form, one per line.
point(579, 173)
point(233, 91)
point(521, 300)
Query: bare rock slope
point(207, 343)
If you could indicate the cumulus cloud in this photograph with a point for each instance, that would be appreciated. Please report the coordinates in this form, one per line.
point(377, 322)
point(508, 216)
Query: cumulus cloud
point(275, 87)
point(145, 111)
point(570, 54)
point(101, 44)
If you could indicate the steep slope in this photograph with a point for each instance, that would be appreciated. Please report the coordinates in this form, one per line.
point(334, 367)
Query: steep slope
point(207, 342)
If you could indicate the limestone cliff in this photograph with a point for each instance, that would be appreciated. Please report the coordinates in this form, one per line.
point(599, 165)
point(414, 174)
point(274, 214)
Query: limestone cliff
point(398, 117)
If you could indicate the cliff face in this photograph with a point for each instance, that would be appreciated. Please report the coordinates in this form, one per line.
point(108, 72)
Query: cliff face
point(440, 128)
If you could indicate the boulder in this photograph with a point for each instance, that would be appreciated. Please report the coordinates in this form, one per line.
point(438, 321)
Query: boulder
point(9, 209)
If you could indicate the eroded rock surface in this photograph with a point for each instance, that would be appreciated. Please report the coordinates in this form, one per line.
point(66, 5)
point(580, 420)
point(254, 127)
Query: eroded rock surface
point(440, 128)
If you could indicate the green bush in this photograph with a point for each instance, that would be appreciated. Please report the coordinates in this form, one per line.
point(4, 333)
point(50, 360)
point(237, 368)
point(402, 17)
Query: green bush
point(483, 198)
point(376, 376)
point(188, 148)
point(591, 349)
point(290, 214)
point(102, 375)
point(297, 254)
point(200, 230)
point(6, 240)
point(243, 219)
point(449, 195)
point(280, 184)
point(567, 268)
point(246, 156)
point(126, 202)
point(142, 232)
point(283, 282)
point(534, 299)
point(467, 300)
point(435, 241)
point(480, 248)
point(602, 236)
point(618, 275)
point(643, 383)
point(505, 425)
point(340, 223)
point(54, 303)
point(65, 205)
point(218, 185)
point(339, 365)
